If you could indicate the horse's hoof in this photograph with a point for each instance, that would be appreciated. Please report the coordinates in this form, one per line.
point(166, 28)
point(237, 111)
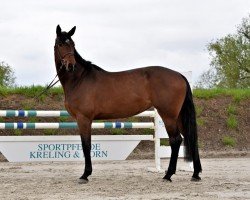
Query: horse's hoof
point(83, 181)
point(196, 178)
point(167, 178)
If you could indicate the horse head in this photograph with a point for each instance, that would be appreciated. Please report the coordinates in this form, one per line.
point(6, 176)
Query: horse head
point(65, 48)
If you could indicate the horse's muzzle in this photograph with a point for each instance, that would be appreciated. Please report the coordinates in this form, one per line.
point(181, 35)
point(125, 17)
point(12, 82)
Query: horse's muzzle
point(69, 62)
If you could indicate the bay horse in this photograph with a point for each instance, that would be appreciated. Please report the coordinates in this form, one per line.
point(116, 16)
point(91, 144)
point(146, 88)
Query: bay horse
point(92, 93)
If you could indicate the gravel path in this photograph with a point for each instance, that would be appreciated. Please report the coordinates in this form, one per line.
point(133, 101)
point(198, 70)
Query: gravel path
point(222, 178)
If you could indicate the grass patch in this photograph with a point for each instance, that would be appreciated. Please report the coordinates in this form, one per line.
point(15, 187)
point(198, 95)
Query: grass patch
point(18, 132)
point(237, 94)
point(198, 110)
point(231, 109)
point(206, 93)
point(63, 119)
point(148, 131)
point(49, 132)
point(27, 105)
point(42, 97)
point(232, 122)
point(228, 141)
point(28, 91)
point(33, 119)
point(118, 131)
point(164, 142)
point(1, 119)
point(31, 91)
point(200, 122)
point(3, 91)
point(133, 119)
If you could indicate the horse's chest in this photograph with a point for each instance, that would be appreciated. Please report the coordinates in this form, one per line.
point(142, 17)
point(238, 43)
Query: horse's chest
point(69, 109)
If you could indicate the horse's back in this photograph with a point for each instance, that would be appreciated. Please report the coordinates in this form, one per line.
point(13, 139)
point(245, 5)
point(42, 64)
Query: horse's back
point(164, 77)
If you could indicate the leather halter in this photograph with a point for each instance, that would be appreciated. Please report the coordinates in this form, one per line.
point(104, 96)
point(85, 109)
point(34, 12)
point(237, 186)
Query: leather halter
point(61, 57)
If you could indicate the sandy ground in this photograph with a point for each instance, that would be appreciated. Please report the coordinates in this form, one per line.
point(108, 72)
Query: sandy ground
point(222, 178)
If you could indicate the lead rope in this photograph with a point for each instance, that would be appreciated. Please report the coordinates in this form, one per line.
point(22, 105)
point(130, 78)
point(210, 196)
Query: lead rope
point(52, 83)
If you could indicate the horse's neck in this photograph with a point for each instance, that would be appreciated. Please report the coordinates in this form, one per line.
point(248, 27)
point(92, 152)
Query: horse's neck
point(70, 79)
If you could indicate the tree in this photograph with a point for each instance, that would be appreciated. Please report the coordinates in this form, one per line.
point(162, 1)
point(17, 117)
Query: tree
point(207, 80)
point(7, 78)
point(244, 29)
point(230, 65)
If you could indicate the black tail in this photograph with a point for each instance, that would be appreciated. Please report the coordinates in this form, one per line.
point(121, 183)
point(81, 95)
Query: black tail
point(188, 118)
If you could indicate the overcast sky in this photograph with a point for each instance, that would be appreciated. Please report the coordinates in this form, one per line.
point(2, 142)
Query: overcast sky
point(115, 35)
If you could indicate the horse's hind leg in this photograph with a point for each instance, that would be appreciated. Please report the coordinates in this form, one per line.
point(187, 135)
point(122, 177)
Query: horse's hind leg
point(175, 141)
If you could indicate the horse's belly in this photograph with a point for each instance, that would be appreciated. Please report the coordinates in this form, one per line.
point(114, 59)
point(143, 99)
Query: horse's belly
point(114, 109)
point(123, 95)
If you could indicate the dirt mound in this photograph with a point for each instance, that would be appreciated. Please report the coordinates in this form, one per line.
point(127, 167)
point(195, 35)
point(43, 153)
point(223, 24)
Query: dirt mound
point(215, 132)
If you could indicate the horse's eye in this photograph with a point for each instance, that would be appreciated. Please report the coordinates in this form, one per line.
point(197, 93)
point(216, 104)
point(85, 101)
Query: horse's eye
point(58, 42)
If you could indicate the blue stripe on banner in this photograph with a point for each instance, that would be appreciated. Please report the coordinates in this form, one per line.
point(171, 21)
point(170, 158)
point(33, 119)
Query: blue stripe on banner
point(21, 113)
point(118, 124)
point(20, 125)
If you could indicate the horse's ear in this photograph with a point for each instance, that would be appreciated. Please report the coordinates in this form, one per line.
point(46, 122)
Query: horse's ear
point(58, 30)
point(72, 31)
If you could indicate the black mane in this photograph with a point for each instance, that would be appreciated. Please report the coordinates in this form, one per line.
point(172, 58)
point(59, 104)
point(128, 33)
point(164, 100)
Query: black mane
point(87, 64)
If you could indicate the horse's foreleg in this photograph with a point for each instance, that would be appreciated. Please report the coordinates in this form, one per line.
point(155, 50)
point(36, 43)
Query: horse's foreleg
point(84, 125)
